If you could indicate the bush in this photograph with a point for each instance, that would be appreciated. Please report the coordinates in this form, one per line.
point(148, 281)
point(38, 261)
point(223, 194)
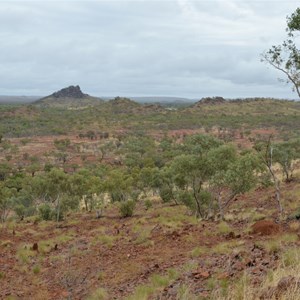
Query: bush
point(165, 194)
point(135, 195)
point(117, 196)
point(295, 215)
point(187, 199)
point(54, 215)
point(48, 167)
point(45, 212)
point(36, 269)
point(127, 208)
point(148, 204)
point(266, 180)
point(23, 211)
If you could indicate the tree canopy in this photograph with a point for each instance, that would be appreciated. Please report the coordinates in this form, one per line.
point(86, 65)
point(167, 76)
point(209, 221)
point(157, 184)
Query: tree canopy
point(286, 57)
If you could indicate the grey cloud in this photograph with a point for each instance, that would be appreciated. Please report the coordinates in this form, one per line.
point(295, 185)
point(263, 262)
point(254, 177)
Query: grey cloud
point(184, 48)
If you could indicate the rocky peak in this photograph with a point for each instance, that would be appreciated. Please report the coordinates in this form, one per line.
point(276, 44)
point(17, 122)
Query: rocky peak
point(212, 100)
point(69, 92)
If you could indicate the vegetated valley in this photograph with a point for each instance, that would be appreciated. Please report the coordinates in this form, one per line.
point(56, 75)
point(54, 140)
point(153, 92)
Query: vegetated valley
point(120, 200)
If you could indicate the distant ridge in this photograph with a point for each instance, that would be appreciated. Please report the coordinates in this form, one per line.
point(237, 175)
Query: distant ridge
point(211, 101)
point(18, 99)
point(70, 97)
point(122, 105)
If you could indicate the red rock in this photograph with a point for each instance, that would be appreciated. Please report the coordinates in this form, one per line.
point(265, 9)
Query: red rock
point(224, 275)
point(202, 274)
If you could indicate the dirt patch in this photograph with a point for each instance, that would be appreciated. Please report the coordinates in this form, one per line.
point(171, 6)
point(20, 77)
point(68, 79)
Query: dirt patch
point(265, 227)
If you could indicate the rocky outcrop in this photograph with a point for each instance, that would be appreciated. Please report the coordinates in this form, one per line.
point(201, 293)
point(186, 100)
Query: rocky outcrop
point(212, 100)
point(70, 97)
point(69, 92)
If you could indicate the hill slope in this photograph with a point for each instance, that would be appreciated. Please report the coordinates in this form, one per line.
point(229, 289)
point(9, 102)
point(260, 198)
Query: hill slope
point(71, 97)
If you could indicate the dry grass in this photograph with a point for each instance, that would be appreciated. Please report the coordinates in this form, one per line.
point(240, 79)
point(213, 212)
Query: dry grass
point(244, 290)
point(156, 284)
point(198, 251)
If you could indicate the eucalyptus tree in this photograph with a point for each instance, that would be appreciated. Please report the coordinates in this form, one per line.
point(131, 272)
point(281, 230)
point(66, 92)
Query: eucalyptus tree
point(286, 57)
point(265, 150)
point(237, 176)
point(286, 155)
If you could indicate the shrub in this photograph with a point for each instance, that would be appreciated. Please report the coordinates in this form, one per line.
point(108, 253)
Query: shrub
point(20, 210)
point(127, 208)
point(48, 167)
point(135, 195)
point(198, 251)
point(295, 215)
point(224, 228)
point(187, 199)
point(165, 194)
point(36, 269)
point(23, 211)
point(45, 212)
point(117, 196)
point(54, 212)
point(266, 180)
point(148, 204)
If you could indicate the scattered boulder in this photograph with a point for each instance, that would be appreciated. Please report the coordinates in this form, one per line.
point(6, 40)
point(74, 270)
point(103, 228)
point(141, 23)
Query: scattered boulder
point(265, 227)
point(201, 274)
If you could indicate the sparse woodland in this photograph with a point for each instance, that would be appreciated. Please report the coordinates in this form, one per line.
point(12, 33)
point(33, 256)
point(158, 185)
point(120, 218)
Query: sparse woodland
point(131, 205)
point(119, 200)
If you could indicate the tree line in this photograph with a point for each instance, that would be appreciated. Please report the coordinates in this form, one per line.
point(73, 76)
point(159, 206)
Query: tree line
point(201, 172)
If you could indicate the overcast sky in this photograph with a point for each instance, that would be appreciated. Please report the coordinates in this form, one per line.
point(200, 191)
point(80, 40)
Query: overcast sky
point(179, 48)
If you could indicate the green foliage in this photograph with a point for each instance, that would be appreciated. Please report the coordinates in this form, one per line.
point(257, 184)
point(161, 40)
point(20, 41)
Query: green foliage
point(200, 144)
point(48, 167)
point(36, 269)
point(6, 203)
point(293, 21)
point(23, 209)
point(285, 154)
point(139, 151)
point(45, 212)
point(5, 170)
point(148, 204)
point(265, 180)
point(127, 208)
point(295, 215)
point(119, 185)
point(286, 57)
point(166, 194)
point(62, 145)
